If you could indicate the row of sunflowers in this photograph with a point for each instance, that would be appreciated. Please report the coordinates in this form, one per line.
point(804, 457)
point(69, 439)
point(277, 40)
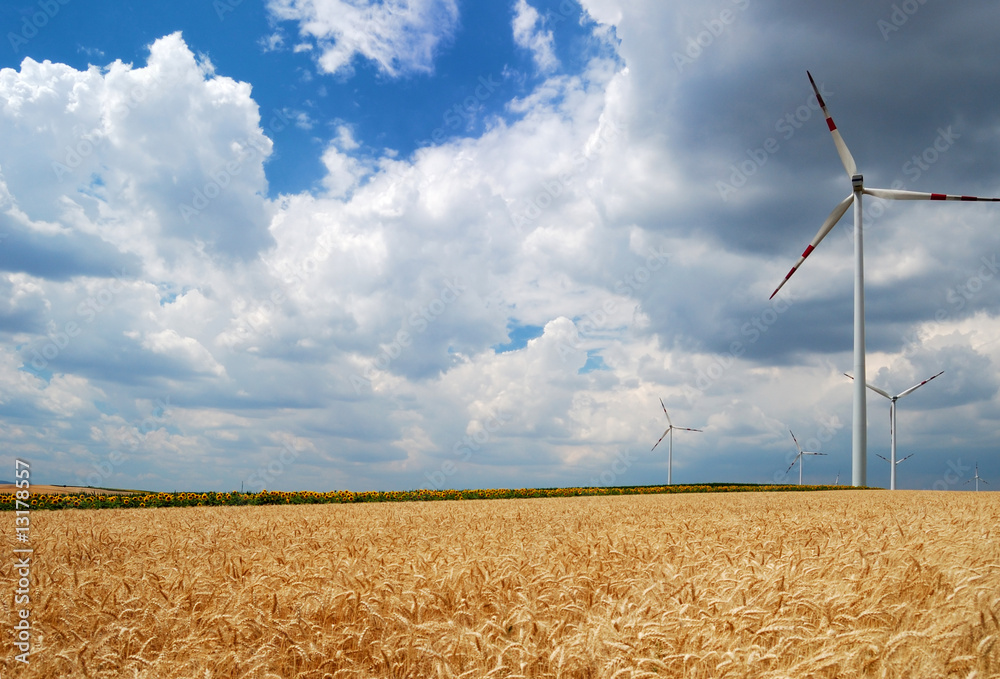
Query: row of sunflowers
point(97, 500)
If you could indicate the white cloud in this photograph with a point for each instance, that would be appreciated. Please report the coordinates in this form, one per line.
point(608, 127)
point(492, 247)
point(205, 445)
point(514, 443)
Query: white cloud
point(189, 354)
point(401, 36)
point(170, 149)
point(529, 34)
point(273, 42)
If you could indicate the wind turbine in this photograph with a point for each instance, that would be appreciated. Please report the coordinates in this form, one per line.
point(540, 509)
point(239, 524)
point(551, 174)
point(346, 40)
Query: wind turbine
point(798, 458)
point(977, 478)
point(859, 447)
point(892, 422)
point(669, 433)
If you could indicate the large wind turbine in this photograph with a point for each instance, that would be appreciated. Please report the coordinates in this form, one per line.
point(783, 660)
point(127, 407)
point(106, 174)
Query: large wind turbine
point(669, 433)
point(892, 422)
point(799, 457)
point(859, 459)
point(977, 478)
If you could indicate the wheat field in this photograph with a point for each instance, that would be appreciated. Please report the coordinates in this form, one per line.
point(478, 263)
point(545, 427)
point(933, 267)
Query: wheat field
point(828, 584)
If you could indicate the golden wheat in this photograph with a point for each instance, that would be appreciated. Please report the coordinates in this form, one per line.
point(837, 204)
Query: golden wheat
point(834, 584)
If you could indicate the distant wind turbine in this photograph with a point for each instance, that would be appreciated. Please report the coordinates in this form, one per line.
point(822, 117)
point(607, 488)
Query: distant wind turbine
point(977, 478)
point(798, 458)
point(669, 433)
point(892, 422)
point(859, 455)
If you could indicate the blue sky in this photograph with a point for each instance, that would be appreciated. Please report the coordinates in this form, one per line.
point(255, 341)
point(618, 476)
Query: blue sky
point(313, 244)
point(246, 42)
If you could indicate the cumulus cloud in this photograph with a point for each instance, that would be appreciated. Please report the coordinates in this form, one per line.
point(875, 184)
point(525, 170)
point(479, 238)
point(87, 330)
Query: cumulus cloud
point(529, 34)
point(133, 186)
point(400, 36)
point(169, 149)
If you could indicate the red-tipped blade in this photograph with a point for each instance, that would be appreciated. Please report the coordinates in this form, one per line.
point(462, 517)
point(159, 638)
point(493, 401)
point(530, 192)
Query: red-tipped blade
point(845, 155)
point(666, 413)
point(894, 194)
point(917, 386)
point(830, 222)
point(661, 438)
point(793, 463)
point(797, 446)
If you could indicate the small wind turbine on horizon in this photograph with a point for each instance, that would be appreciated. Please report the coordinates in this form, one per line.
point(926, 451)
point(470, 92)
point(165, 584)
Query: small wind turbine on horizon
point(892, 422)
point(799, 458)
point(977, 478)
point(859, 441)
point(669, 433)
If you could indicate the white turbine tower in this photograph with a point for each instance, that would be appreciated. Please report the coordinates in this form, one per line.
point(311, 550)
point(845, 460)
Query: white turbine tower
point(977, 478)
point(892, 422)
point(799, 458)
point(669, 433)
point(859, 440)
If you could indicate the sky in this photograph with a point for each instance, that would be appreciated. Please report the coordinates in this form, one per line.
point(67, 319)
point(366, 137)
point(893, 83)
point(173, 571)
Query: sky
point(400, 244)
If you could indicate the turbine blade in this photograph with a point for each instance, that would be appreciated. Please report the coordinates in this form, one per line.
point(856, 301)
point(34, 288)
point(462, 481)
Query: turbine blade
point(883, 457)
point(878, 391)
point(985, 481)
point(915, 387)
point(793, 463)
point(845, 155)
point(906, 458)
point(830, 222)
point(666, 413)
point(895, 194)
point(686, 429)
point(658, 442)
point(797, 446)
point(872, 387)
